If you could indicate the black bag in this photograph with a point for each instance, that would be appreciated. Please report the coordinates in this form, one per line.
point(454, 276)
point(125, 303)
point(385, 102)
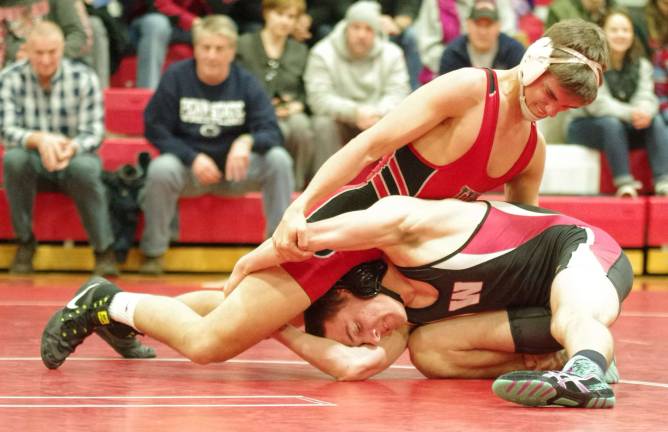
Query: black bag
point(123, 186)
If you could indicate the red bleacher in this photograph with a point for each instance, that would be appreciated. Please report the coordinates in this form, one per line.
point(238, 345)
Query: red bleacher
point(126, 74)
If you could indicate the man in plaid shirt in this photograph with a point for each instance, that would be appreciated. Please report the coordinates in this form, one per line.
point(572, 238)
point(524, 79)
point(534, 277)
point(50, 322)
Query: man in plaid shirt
point(51, 123)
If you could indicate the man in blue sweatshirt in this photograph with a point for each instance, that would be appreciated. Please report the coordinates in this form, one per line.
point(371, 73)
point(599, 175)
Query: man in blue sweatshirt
point(217, 133)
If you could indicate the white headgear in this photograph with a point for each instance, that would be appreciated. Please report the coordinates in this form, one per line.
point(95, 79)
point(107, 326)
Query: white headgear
point(538, 58)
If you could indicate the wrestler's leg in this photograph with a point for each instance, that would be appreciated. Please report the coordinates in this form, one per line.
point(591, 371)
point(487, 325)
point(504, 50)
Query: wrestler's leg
point(584, 303)
point(238, 323)
point(202, 302)
point(262, 303)
point(473, 346)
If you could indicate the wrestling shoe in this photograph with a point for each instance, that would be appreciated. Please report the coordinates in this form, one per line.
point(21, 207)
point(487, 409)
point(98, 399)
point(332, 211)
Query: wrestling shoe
point(581, 385)
point(68, 327)
point(612, 374)
point(122, 339)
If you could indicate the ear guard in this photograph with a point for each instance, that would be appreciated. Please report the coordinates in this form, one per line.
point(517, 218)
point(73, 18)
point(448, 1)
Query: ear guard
point(364, 281)
point(538, 57)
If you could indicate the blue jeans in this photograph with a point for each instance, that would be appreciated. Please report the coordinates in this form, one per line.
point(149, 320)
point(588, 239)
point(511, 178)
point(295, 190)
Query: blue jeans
point(168, 179)
point(150, 34)
point(615, 137)
point(408, 43)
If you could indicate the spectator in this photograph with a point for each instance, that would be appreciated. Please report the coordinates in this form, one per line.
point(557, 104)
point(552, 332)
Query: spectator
point(279, 62)
point(625, 112)
point(51, 123)
point(588, 10)
point(325, 14)
point(353, 78)
point(217, 133)
point(150, 33)
point(484, 45)
point(397, 22)
point(439, 22)
point(657, 20)
point(17, 17)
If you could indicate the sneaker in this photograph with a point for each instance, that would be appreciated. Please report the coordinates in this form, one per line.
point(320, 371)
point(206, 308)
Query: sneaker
point(612, 374)
point(151, 266)
point(22, 263)
point(581, 385)
point(661, 188)
point(122, 339)
point(68, 327)
point(105, 263)
point(629, 190)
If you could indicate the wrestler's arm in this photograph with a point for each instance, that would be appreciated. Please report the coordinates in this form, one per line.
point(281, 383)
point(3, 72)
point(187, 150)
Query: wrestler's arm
point(447, 96)
point(342, 362)
point(379, 225)
point(525, 186)
point(262, 257)
point(392, 221)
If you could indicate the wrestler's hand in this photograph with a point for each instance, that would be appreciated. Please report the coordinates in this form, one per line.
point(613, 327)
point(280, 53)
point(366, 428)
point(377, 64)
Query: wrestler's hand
point(290, 239)
point(238, 273)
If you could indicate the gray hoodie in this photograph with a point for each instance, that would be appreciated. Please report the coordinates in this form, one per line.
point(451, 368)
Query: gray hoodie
point(337, 84)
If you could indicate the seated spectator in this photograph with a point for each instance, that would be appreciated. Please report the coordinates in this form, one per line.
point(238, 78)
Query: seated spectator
point(325, 14)
point(279, 62)
point(588, 10)
point(51, 123)
point(216, 131)
point(657, 20)
point(155, 24)
point(625, 112)
point(353, 78)
point(396, 21)
point(18, 19)
point(483, 45)
point(440, 22)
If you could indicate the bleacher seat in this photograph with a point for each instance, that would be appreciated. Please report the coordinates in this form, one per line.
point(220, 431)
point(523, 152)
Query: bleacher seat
point(126, 74)
point(124, 110)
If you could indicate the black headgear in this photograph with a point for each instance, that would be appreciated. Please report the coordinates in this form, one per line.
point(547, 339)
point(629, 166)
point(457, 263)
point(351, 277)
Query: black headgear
point(364, 280)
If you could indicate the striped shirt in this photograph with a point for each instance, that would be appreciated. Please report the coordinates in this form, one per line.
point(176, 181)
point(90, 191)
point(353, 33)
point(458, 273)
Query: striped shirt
point(72, 107)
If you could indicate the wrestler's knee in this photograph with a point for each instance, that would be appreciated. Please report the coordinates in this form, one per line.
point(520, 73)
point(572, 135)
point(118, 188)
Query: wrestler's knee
point(432, 362)
point(202, 348)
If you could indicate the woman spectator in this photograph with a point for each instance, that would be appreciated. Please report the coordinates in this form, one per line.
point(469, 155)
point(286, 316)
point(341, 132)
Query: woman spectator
point(279, 62)
point(625, 113)
point(657, 23)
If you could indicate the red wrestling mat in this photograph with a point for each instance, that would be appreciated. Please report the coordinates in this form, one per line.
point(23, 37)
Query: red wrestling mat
point(268, 388)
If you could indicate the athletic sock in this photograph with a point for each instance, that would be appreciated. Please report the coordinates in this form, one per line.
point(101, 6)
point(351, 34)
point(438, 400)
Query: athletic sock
point(122, 307)
point(594, 356)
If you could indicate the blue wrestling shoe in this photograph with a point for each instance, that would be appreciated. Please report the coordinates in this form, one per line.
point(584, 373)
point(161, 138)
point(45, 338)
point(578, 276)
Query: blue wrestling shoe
point(86, 312)
point(581, 385)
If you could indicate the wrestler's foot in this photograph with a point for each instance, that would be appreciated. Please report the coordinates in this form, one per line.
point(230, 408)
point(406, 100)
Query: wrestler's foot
point(558, 359)
point(68, 327)
point(124, 341)
point(612, 374)
point(580, 385)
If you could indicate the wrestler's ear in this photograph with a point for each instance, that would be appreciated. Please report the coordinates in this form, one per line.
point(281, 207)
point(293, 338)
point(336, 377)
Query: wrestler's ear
point(536, 60)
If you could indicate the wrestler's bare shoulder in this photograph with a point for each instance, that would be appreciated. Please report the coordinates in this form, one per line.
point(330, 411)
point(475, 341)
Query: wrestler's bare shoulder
point(465, 86)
